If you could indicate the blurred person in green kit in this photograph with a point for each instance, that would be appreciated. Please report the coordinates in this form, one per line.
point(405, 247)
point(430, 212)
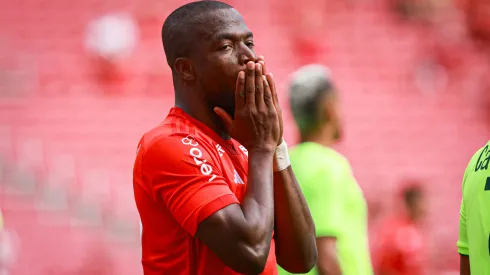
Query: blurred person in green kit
point(336, 202)
point(474, 223)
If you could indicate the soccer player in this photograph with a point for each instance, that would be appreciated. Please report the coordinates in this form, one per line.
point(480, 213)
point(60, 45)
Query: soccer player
point(400, 244)
point(474, 224)
point(335, 200)
point(208, 203)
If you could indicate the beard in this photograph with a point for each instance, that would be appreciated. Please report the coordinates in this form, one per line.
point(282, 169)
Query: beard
point(231, 111)
point(229, 107)
point(226, 101)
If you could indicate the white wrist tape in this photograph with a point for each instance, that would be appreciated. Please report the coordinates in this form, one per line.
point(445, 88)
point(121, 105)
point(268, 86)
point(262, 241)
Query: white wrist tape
point(281, 157)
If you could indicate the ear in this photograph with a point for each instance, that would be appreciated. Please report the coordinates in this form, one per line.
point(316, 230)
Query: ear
point(183, 67)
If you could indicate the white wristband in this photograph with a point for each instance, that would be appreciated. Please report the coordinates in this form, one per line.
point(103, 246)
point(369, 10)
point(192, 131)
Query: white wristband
point(281, 157)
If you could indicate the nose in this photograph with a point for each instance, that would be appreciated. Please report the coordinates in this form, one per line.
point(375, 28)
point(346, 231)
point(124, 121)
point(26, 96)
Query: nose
point(246, 54)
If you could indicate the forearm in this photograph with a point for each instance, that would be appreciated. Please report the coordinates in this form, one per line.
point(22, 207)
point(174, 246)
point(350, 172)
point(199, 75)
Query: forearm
point(258, 203)
point(328, 261)
point(295, 230)
point(464, 265)
point(332, 269)
point(240, 234)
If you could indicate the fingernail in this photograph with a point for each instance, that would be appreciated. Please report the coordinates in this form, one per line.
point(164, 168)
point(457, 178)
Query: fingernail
point(258, 67)
point(271, 75)
point(250, 65)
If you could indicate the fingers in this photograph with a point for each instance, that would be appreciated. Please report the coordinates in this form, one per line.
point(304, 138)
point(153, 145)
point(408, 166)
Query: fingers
point(268, 100)
point(272, 84)
point(250, 84)
point(270, 81)
point(259, 86)
point(240, 90)
point(261, 60)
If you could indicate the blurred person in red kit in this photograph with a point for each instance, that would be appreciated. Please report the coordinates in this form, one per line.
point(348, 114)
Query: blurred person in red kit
point(400, 245)
point(9, 245)
point(478, 19)
point(213, 182)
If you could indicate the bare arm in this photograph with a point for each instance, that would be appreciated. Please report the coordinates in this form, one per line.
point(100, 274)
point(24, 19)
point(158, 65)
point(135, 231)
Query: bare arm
point(464, 265)
point(327, 263)
point(240, 235)
point(294, 228)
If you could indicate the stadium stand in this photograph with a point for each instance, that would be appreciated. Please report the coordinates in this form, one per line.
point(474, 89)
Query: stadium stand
point(67, 149)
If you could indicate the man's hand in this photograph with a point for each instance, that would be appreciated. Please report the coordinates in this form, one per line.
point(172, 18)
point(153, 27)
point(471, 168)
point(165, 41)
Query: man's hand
point(272, 84)
point(256, 124)
point(241, 235)
point(294, 228)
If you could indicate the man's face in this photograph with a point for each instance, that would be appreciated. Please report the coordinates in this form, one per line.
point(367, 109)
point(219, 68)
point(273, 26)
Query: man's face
point(226, 46)
point(334, 115)
point(418, 209)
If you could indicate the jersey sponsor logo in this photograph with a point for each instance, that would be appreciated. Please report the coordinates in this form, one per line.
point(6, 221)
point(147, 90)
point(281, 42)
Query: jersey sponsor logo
point(196, 154)
point(238, 179)
point(483, 160)
point(487, 184)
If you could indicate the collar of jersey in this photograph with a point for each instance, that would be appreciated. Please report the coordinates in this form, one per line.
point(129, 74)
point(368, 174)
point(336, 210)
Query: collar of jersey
point(176, 111)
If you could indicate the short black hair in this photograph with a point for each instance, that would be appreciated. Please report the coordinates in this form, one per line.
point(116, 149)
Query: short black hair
point(412, 192)
point(178, 29)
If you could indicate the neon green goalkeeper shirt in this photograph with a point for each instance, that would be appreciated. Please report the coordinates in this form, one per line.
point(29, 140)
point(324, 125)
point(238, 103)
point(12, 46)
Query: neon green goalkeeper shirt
point(336, 203)
point(474, 224)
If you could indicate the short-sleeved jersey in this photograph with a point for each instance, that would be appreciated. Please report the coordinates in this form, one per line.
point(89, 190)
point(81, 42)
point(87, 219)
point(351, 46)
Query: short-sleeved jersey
point(336, 204)
point(183, 173)
point(400, 248)
point(474, 225)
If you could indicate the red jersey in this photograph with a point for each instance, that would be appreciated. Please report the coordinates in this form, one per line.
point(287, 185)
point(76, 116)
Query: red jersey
point(400, 248)
point(183, 173)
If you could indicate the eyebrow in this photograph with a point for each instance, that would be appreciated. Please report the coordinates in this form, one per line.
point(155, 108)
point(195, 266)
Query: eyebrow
point(230, 36)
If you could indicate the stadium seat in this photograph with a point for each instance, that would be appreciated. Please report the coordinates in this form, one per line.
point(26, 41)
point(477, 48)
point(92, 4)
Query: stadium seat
point(80, 144)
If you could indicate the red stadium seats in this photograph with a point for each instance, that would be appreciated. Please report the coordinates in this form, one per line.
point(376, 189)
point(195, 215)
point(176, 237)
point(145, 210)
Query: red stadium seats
point(80, 144)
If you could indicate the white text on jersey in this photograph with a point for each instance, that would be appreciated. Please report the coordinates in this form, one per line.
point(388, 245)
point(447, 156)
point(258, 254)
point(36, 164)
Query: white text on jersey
point(196, 153)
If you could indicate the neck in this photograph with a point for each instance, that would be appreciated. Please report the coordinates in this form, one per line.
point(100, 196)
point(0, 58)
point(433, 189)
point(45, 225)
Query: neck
point(414, 218)
point(324, 136)
point(201, 112)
